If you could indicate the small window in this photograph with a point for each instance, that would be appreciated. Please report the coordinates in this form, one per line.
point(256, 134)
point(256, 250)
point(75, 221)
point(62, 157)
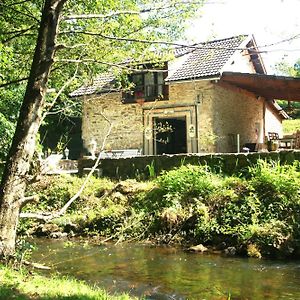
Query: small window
point(148, 86)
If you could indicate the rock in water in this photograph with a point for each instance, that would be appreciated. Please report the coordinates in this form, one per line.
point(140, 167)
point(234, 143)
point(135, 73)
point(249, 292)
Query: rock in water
point(198, 248)
point(231, 251)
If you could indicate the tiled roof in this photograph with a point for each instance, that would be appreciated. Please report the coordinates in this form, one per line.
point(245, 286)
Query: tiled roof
point(206, 59)
point(103, 83)
point(201, 60)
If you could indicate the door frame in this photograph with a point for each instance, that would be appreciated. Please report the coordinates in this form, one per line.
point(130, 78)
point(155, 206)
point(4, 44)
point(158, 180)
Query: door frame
point(188, 112)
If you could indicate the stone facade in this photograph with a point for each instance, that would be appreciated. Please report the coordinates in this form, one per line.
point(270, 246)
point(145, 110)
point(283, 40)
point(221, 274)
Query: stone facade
point(237, 114)
point(126, 121)
point(189, 100)
point(215, 115)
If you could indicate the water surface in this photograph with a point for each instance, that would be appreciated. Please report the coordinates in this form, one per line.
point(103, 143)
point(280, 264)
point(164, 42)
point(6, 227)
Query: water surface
point(170, 273)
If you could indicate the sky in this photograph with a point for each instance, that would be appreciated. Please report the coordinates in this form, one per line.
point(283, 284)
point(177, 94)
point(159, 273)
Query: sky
point(270, 21)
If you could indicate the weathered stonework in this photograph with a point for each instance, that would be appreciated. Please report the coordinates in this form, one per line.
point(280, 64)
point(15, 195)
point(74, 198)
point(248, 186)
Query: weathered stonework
point(272, 120)
point(219, 113)
point(229, 163)
point(126, 120)
point(236, 112)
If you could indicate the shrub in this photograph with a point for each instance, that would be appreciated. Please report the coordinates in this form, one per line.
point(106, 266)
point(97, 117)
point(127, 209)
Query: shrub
point(277, 188)
point(187, 182)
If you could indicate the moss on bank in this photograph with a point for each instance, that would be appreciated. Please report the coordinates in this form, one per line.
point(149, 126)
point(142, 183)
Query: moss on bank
point(22, 286)
point(257, 212)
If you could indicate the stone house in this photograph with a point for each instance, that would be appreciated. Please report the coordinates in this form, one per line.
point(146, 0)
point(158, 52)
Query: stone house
point(212, 97)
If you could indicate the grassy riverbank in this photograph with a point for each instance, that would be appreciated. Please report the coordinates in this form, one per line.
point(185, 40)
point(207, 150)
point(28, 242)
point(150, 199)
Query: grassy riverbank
point(257, 212)
point(23, 286)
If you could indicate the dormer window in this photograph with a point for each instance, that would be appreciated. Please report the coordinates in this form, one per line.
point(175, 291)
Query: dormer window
point(148, 86)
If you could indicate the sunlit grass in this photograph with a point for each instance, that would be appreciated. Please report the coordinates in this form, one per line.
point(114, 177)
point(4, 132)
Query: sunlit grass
point(291, 126)
point(21, 285)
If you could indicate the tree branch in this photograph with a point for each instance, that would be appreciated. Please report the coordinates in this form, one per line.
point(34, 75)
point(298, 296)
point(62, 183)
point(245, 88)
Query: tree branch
point(120, 65)
point(39, 216)
point(50, 105)
point(100, 16)
point(194, 46)
point(16, 3)
point(63, 46)
point(50, 216)
point(22, 13)
point(17, 31)
point(25, 200)
point(13, 82)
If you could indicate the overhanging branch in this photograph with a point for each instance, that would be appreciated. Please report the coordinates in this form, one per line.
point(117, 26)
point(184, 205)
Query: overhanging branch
point(152, 42)
point(120, 65)
point(100, 16)
point(46, 216)
point(13, 82)
point(52, 103)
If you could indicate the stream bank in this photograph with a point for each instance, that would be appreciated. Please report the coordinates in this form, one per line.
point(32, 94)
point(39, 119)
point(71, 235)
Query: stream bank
point(254, 213)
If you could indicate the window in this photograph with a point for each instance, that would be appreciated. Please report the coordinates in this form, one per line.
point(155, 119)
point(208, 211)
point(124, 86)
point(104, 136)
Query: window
point(148, 86)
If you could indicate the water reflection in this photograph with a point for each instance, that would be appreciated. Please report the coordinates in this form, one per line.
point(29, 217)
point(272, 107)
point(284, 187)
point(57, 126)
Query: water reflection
point(170, 273)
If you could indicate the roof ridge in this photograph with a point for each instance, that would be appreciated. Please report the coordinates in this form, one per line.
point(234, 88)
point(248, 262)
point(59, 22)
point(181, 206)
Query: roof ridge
point(186, 49)
point(227, 38)
point(213, 41)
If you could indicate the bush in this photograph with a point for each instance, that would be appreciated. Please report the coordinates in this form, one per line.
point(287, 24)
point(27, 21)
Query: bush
point(277, 188)
point(187, 182)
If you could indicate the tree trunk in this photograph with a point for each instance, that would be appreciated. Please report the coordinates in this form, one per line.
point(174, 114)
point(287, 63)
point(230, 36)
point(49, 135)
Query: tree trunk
point(13, 182)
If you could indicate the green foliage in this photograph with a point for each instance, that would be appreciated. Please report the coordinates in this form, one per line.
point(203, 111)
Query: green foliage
point(6, 134)
point(260, 209)
point(151, 170)
point(187, 182)
point(56, 191)
point(292, 108)
point(258, 213)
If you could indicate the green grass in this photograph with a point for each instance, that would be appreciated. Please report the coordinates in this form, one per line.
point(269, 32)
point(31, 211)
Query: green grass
point(22, 285)
point(291, 126)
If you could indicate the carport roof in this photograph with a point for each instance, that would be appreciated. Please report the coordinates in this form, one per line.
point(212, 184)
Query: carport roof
point(267, 86)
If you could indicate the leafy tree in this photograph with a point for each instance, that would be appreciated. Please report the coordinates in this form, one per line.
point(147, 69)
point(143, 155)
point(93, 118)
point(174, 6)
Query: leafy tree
point(74, 41)
point(292, 108)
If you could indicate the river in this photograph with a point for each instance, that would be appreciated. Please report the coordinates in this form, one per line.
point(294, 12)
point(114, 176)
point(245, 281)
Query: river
point(170, 273)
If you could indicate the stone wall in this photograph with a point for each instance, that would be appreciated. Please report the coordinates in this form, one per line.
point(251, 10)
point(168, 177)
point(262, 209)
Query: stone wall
point(218, 111)
point(127, 122)
point(229, 163)
point(236, 111)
